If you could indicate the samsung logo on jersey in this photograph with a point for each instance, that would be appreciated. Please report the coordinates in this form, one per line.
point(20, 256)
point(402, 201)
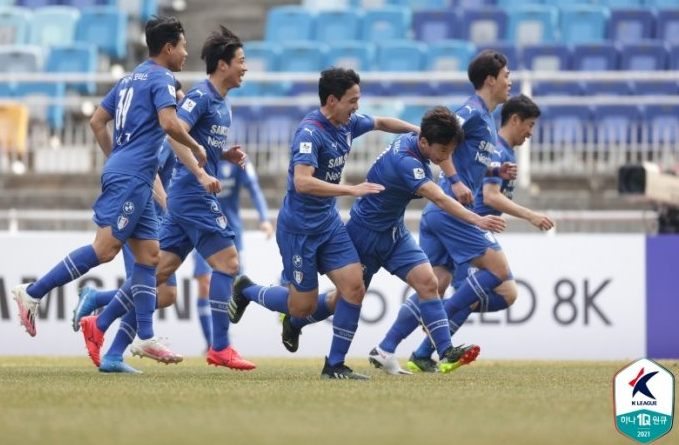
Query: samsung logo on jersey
point(487, 146)
point(219, 129)
point(336, 162)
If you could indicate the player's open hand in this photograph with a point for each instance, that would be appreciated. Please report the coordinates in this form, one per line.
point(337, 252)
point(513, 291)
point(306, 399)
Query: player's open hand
point(542, 222)
point(210, 183)
point(462, 193)
point(235, 155)
point(492, 223)
point(508, 171)
point(366, 188)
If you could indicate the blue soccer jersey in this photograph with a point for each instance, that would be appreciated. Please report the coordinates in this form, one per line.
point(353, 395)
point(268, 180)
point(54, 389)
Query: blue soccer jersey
point(318, 143)
point(402, 170)
point(134, 103)
point(503, 153)
point(208, 114)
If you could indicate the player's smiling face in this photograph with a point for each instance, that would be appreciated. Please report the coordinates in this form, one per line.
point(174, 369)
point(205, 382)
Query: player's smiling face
point(502, 86)
point(524, 129)
point(236, 70)
point(346, 106)
point(436, 152)
point(178, 54)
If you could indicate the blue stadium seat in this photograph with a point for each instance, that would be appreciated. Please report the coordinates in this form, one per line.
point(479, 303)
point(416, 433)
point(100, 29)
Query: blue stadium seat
point(661, 4)
point(506, 48)
point(419, 4)
point(663, 121)
point(322, 5)
point(674, 58)
point(616, 124)
point(79, 57)
point(35, 3)
point(450, 55)
point(431, 25)
point(621, 4)
point(547, 57)
point(261, 57)
point(595, 57)
point(584, 23)
point(386, 23)
point(483, 25)
point(15, 25)
point(138, 10)
point(106, 27)
point(413, 113)
point(285, 23)
point(668, 25)
point(21, 59)
point(509, 4)
point(303, 56)
point(81, 4)
point(532, 24)
point(631, 25)
point(355, 54)
point(53, 113)
point(565, 124)
point(54, 25)
point(471, 4)
point(398, 56)
point(277, 123)
point(4, 3)
point(649, 55)
point(331, 24)
point(557, 88)
point(655, 87)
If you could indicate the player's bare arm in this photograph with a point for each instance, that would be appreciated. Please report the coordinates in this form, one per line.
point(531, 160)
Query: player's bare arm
point(433, 192)
point(393, 125)
point(305, 182)
point(179, 131)
point(99, 123)
point(507, 170)
point(159, 194)
point(461, 191)
point(210, 183)
point(493, 197)
point(234, 155)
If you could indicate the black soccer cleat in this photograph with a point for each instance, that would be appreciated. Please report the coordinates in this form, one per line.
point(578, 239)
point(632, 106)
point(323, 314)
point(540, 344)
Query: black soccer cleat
point(340, 372)
point(290, 335)
point(238, 302)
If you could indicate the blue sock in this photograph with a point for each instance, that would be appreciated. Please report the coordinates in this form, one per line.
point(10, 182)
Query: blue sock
point(474, 288)
point(124, 336)
point(406, 322)
point(104, 297)
point(344, 325)
point(496, 302)
point(144, 296)
point(75, 264)
point(435, 321)
point(119, 306)
point(457, 320)
point(205, 317)
point(274, 298)
point(426, 348)
point(220, 294)
point(322, 312)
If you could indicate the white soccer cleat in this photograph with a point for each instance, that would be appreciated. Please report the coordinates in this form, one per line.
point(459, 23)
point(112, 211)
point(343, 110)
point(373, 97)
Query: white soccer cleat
point(386, 362)
point(28, 307)
point(155, 349)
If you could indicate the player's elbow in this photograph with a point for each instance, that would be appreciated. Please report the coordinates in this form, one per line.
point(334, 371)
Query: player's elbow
point(301, 185)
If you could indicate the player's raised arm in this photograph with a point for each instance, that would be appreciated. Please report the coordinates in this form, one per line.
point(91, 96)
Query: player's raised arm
point(394, 125)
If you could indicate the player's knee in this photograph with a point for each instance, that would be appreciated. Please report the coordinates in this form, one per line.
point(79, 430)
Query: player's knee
point(428, 288)
point(353, 292)
point(302, 309)
point(508, 291)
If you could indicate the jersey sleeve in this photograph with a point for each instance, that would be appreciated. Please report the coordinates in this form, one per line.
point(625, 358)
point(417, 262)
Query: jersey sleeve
point(109, 101)
point(411, 173)
point(251, 181)
point(163, 92)
point(192, 107)
point(305, 146)
point(360, 124)
point(496, 161)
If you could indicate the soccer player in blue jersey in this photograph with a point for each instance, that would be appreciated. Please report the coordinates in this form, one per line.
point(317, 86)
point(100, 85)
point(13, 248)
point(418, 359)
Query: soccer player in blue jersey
point(518, 116)
point(310, 234)
point(143, 107)
point(232, 180)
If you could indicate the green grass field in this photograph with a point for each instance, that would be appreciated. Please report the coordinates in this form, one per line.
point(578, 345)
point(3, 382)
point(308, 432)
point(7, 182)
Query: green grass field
point(66, 401)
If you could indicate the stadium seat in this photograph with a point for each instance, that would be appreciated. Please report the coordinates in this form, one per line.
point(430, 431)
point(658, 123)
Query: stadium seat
point(13, 127)
point(286, 23)
point(674, 58)
point(35, 3)
point(668, 25)
point(79, 57)
point(621, 4)
point(45, 101)
point(631, 25)
point(54, 25)
point(21, 59)
point(663, 122)
point(506, 48)
point(277, 123)
point(432, 25)
point(584, 23)
point(616, 124)
point(106, 27)
point(565, 124)
point(4, 3)
point(413, 113)
point(330, 25)
point(419, 4)
point(649, 55)
point(509, 4)
point(354, 54)
point(399, 56)
point(557, 88)
point(547, 57)
point(386, 23)
point(655, 87)
point(15, 25)
point(450, 55)
point(322, 5)
point(595, 57)
point(81, 4)
point(532, 24)
point(261, 57)
point(301, 56)
point(661, 4)
point(483, 25)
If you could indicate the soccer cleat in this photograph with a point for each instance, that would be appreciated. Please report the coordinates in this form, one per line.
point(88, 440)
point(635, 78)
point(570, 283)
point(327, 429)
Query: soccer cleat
point(456, 356)
point(238, 301)
point(386, 362)
point(94, 338)
point(290, 335)
point(229, 358)
point(28, 307)
point(119, 366)
point(340, 372)
point(419, 364)
point(86, 306)
point(155, 349)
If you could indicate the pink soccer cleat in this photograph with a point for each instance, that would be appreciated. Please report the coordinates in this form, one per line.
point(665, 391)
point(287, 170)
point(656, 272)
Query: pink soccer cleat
point(28, 307)
point(229, 358)
point(155, 349)
point(94, 338)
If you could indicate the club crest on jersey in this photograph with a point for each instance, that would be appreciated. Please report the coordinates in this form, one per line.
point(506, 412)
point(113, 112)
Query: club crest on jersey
point(188, 105)
point(298, 275)
point(214, 207)
point(123, 221)
point(172, 90)
point(221, 222)
point(418, 173)
point(305, 147)
point(297, 261)
point(128, 207)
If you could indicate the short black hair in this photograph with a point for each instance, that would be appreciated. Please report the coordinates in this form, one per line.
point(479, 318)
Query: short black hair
point(440, 126)
point(336, 82)
point(521, 105)
point(221, 45)
point(162, 30)
point(486, 63)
